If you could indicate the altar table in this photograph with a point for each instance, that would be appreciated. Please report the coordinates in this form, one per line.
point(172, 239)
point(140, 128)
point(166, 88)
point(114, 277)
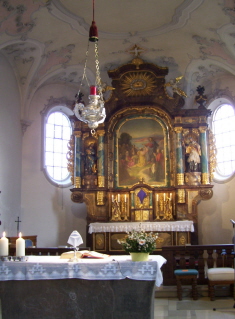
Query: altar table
point(47, 287)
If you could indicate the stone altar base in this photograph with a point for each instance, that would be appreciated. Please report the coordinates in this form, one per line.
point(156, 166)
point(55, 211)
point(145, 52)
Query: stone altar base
point(77, 298)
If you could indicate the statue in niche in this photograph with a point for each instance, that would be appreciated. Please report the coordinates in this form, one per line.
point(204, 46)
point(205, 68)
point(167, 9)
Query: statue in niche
point(90, 159)
point(193, 153)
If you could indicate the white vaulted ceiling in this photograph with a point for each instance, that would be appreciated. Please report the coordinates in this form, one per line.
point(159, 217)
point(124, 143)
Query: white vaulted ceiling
point(46, 41)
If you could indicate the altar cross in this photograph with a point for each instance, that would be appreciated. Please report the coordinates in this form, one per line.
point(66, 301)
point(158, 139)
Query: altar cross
point(18, 221)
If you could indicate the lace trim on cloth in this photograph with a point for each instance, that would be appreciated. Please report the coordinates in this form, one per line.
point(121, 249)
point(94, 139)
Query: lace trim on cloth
point(185, 225)
point(111, 268)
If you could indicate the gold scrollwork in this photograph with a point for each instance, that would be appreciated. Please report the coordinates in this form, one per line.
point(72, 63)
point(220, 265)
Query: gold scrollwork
point(77, 197)
point(212, 154)
point(137, 84)
point(100, 198)
point(185, 131)
point(70, 157)
point(181, 196)
point(206, 194)
point(195, 131)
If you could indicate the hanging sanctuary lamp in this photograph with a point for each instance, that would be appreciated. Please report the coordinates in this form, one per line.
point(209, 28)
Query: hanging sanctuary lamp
point(94, 113)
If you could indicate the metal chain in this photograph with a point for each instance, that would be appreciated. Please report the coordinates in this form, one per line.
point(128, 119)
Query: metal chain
point(98, 79)
point(84, 71)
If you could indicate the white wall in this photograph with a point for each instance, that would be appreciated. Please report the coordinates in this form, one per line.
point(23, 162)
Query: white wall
point(47, 211)
point(214, 215)
point(10, 149)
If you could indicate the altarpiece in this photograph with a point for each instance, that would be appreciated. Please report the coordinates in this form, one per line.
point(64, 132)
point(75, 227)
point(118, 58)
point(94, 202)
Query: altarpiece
point(150, 162)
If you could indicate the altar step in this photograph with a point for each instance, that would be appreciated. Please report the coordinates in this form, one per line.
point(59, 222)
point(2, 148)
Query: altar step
point(171, 291)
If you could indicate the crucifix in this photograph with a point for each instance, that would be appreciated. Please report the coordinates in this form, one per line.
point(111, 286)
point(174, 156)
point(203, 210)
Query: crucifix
point(18, 221)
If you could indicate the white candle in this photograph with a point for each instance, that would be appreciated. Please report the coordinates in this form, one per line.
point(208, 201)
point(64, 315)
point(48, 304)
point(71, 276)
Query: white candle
point(125, 198)
point(20, 246)
point(157, 197)
point(112, 198)
point(164, 196)
point(170, 196)
point(4, 245)
point(118, 197)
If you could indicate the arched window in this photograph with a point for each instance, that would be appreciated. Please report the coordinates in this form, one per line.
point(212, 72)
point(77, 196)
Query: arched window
point(57, 133)
point(223, 127)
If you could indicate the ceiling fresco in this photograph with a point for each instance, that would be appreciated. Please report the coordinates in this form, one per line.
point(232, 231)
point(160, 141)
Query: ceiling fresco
point(46, 41)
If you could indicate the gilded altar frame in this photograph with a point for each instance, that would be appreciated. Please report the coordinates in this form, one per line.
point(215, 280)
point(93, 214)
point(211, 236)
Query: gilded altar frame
point(119, 186)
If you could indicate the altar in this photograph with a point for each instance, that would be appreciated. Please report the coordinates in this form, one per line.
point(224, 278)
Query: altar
point(49, 287)
point(105, 236)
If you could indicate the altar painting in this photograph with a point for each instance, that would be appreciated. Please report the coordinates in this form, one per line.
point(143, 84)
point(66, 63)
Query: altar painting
point(141, 153)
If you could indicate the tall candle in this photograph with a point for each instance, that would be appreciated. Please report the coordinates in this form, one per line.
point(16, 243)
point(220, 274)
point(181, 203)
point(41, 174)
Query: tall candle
point(20, 246)
point(112, 198)
point(118, 197)
point(4, 245)
point(125, 198)
point(157, 197)
point(164, 196)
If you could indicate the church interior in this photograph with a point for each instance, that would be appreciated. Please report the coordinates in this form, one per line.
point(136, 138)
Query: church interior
point(140, 83)
point(43, 49)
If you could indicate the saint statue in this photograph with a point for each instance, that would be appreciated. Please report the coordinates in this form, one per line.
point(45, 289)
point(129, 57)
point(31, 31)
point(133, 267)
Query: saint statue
point(193, 150)
point(90, 159)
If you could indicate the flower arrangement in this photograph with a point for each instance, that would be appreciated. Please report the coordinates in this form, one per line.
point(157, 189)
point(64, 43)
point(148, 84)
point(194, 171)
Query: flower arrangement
point(139, 242)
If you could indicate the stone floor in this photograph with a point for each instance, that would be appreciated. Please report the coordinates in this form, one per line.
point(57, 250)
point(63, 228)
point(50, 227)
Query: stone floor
point(168, 306)
point(172, 308)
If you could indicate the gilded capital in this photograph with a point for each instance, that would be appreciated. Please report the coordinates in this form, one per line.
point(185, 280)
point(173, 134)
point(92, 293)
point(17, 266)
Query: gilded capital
point(77, 133)
point(101, 133)
point(203, 129)
point(178, 129)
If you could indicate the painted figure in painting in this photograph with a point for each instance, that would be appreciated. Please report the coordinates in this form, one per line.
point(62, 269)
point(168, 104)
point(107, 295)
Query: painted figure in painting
point(141, 153)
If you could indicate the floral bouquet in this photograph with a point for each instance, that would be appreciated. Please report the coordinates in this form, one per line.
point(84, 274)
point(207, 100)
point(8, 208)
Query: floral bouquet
point(139, 242)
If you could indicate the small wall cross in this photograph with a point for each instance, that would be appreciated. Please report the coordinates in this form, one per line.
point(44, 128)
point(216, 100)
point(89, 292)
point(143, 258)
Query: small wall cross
point(18, 221)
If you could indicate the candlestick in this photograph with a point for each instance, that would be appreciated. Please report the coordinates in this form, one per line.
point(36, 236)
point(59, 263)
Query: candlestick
point(4, 245)
point(20, 246)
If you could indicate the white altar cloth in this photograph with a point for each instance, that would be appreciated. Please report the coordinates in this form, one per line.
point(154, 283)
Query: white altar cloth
point(111, 268)
point(182, 225)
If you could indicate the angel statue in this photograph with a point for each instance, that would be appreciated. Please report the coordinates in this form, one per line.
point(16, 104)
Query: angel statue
point(173, 83)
